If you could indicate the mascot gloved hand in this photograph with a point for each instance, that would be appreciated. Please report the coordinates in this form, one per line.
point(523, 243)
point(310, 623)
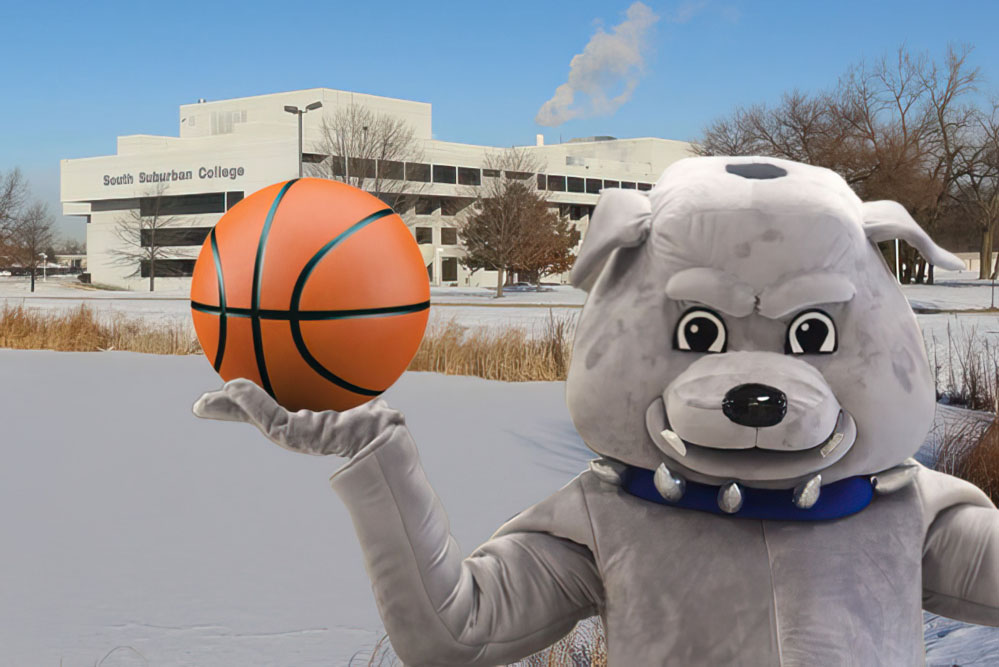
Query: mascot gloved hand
point(318, 433)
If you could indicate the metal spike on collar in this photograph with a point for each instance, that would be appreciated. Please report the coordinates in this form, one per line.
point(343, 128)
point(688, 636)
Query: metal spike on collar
point(806, 494)
point(608, 470)
point(730, 497)
point(895, 479)
point(670, 486)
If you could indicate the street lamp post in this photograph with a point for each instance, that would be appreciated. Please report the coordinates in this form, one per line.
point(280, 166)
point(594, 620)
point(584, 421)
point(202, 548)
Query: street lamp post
point(301, 112)
point(44, 262)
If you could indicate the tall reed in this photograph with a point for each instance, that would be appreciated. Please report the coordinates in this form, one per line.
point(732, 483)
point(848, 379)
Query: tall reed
point(81, 330)
point(512, 354)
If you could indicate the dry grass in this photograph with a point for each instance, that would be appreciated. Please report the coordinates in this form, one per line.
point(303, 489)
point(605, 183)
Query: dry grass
point(967, 372)
point(584, 646)
point(80, 330)
point(510, 354)
point(970, 450)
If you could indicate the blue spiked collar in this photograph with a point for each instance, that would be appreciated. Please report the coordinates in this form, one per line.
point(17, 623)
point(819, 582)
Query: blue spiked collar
point(838, 499)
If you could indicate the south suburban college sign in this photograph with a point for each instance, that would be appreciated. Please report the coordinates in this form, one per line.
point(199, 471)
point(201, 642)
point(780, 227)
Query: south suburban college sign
point(204, 173)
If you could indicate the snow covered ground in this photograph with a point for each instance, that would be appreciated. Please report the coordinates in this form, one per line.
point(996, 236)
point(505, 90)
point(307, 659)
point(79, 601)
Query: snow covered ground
point(132, 528)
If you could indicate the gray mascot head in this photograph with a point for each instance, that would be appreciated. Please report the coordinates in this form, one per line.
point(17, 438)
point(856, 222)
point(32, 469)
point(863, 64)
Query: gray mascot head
point(742, 326)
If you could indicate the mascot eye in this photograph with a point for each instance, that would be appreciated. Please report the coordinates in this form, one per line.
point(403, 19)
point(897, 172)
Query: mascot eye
point(700, 330)
point(811, 332)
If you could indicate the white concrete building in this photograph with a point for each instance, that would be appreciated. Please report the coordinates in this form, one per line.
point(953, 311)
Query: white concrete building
point(228, 149)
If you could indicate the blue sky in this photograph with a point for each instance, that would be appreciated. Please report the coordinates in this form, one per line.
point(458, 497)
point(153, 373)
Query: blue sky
point(76, 75)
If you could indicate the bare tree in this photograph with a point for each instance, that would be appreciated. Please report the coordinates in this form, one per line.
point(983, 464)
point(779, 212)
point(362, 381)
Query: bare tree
point(510, 227)
point(13, 197)
point(977, 184)
point(68, 246)
point(32, 236)
point(893, 130)
point(140, 233)
point(369, 151)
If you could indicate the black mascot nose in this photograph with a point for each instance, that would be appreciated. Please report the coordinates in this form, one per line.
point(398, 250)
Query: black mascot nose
point(755, 405)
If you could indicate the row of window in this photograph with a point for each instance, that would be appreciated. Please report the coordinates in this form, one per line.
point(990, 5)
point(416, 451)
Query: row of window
point(592, 186)
point(420, 172)
point(209, 202)
point(449, 235)
point(429, 205)
point(195, 236)
point(417, 172)
point(180, 268)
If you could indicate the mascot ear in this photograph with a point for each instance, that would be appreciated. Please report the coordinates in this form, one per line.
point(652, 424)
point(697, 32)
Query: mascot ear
point(888, 220)
point(621, 220)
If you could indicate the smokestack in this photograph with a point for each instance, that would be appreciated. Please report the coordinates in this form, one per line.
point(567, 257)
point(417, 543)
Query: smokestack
point(541, 140)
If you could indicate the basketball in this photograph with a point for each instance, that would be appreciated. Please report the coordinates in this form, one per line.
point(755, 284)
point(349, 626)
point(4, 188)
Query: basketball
point(313, 289)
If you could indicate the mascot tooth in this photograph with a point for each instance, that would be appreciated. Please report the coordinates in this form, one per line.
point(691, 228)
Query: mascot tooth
point(674, 441)
point(738, 313)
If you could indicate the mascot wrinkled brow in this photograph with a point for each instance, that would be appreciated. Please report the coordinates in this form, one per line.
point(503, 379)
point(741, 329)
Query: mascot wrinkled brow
point(754, 382)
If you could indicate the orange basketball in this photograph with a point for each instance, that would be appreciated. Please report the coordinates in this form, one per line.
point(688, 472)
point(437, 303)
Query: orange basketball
point(313, 289)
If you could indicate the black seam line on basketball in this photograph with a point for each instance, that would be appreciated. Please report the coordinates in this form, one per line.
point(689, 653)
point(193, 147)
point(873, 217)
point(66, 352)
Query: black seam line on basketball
point(258, 267)
point(221, 311)
point(312, 315)
point(296, 299)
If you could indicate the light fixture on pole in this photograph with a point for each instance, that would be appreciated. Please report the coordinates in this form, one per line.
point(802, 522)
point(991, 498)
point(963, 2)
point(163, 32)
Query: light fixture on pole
point(44, 262)
point(301, 112)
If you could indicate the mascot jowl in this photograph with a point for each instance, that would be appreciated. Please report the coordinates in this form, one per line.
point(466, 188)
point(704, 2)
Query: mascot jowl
point(754, 383)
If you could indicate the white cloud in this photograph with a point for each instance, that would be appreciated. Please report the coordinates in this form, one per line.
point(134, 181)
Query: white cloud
point(605, 74)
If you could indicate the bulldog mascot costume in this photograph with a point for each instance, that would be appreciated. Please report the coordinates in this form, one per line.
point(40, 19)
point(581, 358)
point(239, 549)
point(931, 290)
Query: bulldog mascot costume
point(755, 384)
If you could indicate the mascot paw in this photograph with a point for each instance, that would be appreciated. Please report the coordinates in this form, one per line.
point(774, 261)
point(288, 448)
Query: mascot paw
point(318, 433)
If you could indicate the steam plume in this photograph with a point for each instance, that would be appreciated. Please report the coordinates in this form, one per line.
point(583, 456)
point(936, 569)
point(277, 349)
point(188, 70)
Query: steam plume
point(605, 74)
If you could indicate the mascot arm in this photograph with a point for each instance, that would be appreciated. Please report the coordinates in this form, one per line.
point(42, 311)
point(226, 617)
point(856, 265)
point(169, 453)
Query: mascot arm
point(961, 565)
point(961, 551)
point(516, 594)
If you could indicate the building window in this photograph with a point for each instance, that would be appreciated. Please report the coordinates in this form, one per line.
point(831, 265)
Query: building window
point(360, 167)
point(577, 212)
point(449, 236)
point(593, 186)
point(450, 206)
point(612, 184)
point(417, 171)
point(390, 169)
point(518, 175)
point(574, 184)
point(627, 185)
point(425, 205)
point(491, 173)
point(169, 268)
point(542, 182)
point(424, 234)
point(213, 202)
point(556, 183)
point(445, 174)
point(449, 269)
point(232, 198)
point(644, 186)
point(469, 176)
point(313, 158)
point(174, 236)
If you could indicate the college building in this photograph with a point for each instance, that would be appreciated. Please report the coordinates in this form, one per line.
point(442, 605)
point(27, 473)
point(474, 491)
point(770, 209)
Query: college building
point(228, 149)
